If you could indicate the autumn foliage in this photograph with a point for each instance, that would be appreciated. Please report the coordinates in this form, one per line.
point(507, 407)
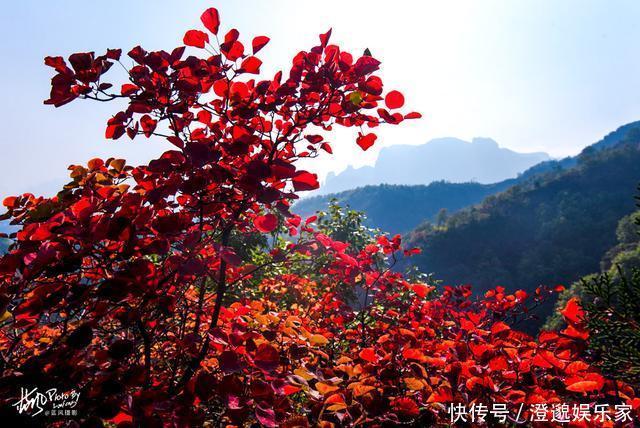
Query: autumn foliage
point(131, 285)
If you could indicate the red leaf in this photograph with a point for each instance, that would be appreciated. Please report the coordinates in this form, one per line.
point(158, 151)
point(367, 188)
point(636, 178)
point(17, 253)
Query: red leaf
point(114, 131)
point(406, 406)
point(9, 201)
point(121, 417)
point(267, 357)
point(327, 148)
point(258, 43)
point(233, 50)
point(230, 256)
point(366, 141)
point(373, 85)
point(221, 88)
point(413, 354)
point(266, 417)
point(251, 65)
point(128, 89)
point(421, 289)
point(572, 312)
point(499, 327)
point(413, 115)
point(324, 38)
point(211, 19)
point(394, 99)
point(57, 62)
point(584, 386)
point(266, 223)
point(368, 354)
point(365, 65)
point(498, 363)
point(148, 125)
point(587, 383)
point(229, 362)
point(195, 38)
point(304, 180)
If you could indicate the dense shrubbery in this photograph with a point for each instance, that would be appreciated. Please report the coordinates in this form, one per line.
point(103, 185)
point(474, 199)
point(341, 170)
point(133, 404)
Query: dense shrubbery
point(166, 294)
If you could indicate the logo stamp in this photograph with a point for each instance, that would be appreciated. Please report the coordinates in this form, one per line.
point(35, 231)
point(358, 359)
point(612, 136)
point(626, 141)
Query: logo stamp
point(50, 402)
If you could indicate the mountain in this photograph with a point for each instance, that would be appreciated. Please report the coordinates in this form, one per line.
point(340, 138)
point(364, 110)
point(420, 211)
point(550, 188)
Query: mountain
point(550, 230)
point(423, 202)
point(397, 208)
point(448, 159)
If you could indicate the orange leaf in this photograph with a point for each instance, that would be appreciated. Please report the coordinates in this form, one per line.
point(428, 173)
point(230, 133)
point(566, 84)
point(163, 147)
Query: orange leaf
point(324, 388)
point(413, 383)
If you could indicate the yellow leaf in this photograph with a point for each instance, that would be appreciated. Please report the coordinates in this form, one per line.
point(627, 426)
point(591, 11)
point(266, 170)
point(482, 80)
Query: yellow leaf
point(117, 164)
point(336, 407)
point(318, 339)
point(304, 373)
point(355, 97)
point(5, 316)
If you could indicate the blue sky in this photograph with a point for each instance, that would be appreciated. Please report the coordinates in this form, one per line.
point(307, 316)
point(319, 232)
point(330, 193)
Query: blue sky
point(534, 75)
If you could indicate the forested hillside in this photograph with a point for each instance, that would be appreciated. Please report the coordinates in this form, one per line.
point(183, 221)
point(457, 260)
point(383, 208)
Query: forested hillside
point(549, 230)
point(399, 209)
point(622, 258)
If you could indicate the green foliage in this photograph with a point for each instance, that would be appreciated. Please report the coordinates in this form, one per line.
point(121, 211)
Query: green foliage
point(612, 314)
point(345, 225)
point(551, 230)
point(622, 258)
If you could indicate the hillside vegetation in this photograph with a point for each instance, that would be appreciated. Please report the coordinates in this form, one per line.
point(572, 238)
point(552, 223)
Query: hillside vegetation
point(552, 229)
point(399, 209)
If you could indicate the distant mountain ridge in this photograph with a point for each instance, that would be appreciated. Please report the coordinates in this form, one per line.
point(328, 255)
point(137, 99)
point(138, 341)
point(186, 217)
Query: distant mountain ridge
point(400, 208)
point(609, 140)
point(448, 159)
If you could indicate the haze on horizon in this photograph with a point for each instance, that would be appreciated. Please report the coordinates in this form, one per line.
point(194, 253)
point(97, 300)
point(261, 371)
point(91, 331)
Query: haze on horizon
point(532, 75)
